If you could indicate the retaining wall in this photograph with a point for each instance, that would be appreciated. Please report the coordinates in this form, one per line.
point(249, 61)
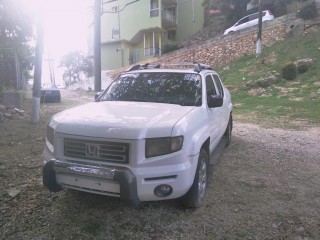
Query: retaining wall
point(222, 50)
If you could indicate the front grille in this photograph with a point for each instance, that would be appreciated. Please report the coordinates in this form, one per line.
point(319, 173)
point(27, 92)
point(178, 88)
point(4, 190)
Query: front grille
point(97, 150)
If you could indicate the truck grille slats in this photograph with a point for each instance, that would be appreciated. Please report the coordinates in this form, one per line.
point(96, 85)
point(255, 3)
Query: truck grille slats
point(97, 150)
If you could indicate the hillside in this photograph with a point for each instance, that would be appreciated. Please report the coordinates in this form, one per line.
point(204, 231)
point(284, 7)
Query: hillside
point(260, 92)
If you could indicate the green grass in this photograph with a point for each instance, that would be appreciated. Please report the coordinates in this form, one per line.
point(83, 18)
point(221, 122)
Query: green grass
point(298, 99)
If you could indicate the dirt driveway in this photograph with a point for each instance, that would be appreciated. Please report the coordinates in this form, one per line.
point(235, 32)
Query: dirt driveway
point(265, 186)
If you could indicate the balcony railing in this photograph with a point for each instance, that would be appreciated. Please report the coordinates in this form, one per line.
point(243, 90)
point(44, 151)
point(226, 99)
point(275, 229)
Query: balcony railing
point(151, 51)
point(142, 54)
point(168, 16)
point(168, 19)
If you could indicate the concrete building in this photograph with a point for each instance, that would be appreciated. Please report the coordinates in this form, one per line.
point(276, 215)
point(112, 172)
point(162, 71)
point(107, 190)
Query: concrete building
point(133, 31)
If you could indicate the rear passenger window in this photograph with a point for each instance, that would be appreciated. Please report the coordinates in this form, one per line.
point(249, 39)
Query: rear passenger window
point(211, 90)
point(218, 84)
point(253, 16)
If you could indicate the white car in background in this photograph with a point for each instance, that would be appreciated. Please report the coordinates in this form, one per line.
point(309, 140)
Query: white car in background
point(249, 21)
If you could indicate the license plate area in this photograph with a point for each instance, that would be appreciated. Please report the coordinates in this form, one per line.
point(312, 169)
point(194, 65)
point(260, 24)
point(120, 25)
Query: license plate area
point(89, 184)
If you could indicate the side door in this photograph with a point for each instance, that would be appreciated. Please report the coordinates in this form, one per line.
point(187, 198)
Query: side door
point(214, 114)
point(224, 110)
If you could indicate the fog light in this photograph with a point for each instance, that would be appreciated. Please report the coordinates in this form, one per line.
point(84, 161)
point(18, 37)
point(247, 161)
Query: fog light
point(163, 190)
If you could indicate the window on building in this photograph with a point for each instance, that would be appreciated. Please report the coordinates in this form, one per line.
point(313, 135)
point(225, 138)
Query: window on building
point(172, 35)
point(114, 9)
point(115, 33)
point(154, 8)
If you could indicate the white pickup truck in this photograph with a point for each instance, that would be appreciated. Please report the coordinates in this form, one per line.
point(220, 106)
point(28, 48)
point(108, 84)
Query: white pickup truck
point(147, 137)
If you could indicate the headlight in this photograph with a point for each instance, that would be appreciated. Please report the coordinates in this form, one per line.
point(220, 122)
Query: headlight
point(162, 146)
point(50, 134)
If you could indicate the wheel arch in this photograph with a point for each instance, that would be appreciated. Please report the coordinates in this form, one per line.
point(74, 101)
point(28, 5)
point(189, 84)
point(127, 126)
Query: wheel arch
point(206, 145)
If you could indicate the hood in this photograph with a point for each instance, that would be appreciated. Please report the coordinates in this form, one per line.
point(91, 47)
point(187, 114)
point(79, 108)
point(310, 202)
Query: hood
point(120, 120)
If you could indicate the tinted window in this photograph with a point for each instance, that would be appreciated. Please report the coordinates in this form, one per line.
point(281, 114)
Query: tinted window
point(244, 20)
point(211, 90)
point(162, 87)
point(253, 16)
point(218, 84)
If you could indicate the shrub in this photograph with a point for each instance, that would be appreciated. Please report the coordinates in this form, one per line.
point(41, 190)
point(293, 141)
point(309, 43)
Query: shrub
point(303, 65)
point(308, 12)
point(170, 47)
point(289, 71)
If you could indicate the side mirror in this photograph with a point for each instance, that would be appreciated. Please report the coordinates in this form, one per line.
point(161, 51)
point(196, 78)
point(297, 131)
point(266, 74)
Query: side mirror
point(215, 101)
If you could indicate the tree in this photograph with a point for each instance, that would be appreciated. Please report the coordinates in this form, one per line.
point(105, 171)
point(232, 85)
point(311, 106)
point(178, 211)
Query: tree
point(77, 66)
point(15, 35)
point(280, 7)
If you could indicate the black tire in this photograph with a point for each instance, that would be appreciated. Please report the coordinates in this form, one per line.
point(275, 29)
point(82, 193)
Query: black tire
point(194, 198)
point(228, 133)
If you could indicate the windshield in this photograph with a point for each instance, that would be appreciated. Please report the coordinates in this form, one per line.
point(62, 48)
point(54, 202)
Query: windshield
point(161, 87)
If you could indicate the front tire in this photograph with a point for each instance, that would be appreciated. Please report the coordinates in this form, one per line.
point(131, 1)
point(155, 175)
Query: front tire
point(194, 198)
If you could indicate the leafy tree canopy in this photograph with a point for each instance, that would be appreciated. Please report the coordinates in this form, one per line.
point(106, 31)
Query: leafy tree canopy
point(15, 35)
point(76, 67)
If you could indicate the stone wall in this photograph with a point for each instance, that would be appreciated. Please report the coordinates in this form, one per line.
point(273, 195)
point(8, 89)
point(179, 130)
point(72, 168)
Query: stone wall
point(222, 50)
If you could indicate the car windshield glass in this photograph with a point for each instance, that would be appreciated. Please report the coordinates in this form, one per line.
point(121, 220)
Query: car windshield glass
point(161, 87)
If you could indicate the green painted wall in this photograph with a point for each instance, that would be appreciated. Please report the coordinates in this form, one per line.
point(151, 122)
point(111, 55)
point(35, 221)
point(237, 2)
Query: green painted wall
point(134, 20)
point(109, 21)
point(110, 58)
point(187, 25)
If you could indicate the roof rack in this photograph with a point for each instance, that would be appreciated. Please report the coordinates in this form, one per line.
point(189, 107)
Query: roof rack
point(144, 66)
point(197, 67)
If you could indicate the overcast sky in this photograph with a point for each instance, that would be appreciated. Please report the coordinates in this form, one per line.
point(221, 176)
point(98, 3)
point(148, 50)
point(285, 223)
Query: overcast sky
point(66, 29)
point(66, 24)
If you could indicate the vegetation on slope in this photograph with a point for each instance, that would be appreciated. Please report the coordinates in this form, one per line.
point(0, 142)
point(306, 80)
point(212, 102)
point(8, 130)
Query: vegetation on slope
point(259, 92)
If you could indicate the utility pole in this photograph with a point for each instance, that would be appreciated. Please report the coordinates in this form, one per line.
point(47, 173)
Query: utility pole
point(35, 116)
point(97, 45)
point(259, 41)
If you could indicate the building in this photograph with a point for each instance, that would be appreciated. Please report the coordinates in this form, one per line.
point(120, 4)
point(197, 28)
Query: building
point(135, 30)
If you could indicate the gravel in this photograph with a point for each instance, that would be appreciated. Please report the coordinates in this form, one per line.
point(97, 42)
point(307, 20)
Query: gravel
point(265, 186)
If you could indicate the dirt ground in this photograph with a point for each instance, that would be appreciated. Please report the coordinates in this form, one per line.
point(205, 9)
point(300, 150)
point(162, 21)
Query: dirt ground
point(265, 186)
